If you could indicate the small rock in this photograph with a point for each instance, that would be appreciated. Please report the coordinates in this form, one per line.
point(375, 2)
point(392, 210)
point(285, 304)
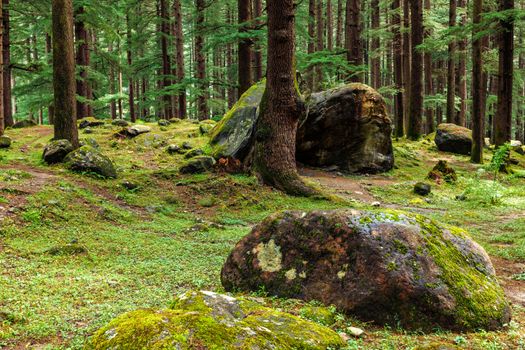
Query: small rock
point(90, 123)
point(130, 186)
point(174, 120)
point(356, 332)
point(120, 122)
point(163, 122)
point(174, 149)
point(205, 129)
point(422, 189)
point(5, 141)
point(187, 146)
point(56, 151)
point(136, 130)
point(376, 204)
point(89, 141)
point(198, 165)
point(194, 153)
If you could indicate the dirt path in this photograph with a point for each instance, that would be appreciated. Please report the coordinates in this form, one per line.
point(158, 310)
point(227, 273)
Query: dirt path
point(506, 270)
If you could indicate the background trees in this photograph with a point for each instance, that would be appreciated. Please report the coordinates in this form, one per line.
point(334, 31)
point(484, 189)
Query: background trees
point(192, 58)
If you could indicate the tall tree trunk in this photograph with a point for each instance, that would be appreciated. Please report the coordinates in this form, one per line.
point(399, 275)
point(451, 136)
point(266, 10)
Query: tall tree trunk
point(329, 26)
point(310, 77)
point(451, 76)
point(166, 62)
point(353, 44)
point(132, 115)
point(277, 126)
point(179, 46)
point(478, 100)
point(245, 49)
point(520, 115)
point(6, 43)
point(407, 58)
point(461, 72)
point(503, 120)
point(319, 45)
point(376, 55)
point(398, 69)
point(112, 90)
point(416, 81)
point(2, 115)
point(258, 58)
point(65, 126)
point(202, 101)
point(339, 30)
point(49, 54)
point(429, 89)
point(232, 96)
point(81, 36)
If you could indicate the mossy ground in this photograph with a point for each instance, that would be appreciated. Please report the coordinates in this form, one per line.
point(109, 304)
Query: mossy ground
point(172, 233)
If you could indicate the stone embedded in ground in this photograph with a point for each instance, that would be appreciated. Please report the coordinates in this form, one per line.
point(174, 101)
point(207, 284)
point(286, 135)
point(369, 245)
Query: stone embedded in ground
point(90, 123)
point(197, 165)
point(390, 267)
point(133, 131)
point(163, 122)
point(175, 120)
point(56, 151)
point(233, 135)
point(120, 122)
point(175, 149)
point(206, 320)
point(24, 124)
point(453, 138)
point(422, 189)
point(5, 141)
point(443, 172)
point(193, 153)
point(187, 146)
point(348, 127)
point(89, 160)
point(89, 141)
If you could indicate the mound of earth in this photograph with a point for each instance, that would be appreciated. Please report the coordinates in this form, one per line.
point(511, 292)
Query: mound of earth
point(206, 320)
point(388, 267)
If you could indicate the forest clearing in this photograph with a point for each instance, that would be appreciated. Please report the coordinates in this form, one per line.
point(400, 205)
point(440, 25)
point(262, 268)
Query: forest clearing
point(255, 174)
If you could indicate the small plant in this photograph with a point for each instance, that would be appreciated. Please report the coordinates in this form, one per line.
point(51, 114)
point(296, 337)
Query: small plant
point(500, 160)
point(459, 340)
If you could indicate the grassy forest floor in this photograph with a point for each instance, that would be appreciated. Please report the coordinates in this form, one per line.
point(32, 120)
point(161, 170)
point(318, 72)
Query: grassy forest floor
point(76, 250)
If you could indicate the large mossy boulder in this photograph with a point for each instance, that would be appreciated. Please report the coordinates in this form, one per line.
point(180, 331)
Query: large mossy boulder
point(5, 141)
point(232, 136)
point(389, 267)
point(206, 320)
point(90, 160)
point(454, 139)
point(348, 127)
point(56, 151)
point(27, 123)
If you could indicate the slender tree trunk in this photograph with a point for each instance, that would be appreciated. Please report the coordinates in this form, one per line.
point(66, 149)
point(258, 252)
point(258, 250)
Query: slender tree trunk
point(229, 63)
point(376, 55)
point(407, 58)
point(451, 76)
point(310, 77)
point(354, 45)
point(132, 115)
point(202, 102)
point(6, 42)
point(416, 81)
point(339, 30)
point(245, 49)
point(2, 112)
point(49, 54)
point(329, 26)
point(429, 89)
point(64, 71)
point(81, 36)
point(166, 62)
point(478, 100)
point(398, 69)
point(520, 115)
point(258, 56)
point(277, 126)
point(112, 90)
point(503, 120)
point(179, 46)
point(319, 45)
point(461, 72)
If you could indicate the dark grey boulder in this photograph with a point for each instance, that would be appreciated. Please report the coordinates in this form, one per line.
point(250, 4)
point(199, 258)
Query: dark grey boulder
point(454, 139)
point(27, 123)
point(90, 123)
point(120, 122)
point(422, 189)
point(197, 165)
point(194, 153)
point(56, 151)
point(5, 141)
point(90, 160)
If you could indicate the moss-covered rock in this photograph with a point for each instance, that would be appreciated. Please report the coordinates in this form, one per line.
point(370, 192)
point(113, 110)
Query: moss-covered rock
point(27, 123)
point(206, 320)
point(197, 165)
point(89, 159)
point(5, 141)
point(120, 122)
point(442, 171)
point(390, 267)
point(233, 135)
point(90, 122)
point(453, 138)
point(56, 151)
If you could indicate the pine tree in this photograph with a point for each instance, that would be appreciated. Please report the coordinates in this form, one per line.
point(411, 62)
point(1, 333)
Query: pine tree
point(416, 78)
point(478, 100)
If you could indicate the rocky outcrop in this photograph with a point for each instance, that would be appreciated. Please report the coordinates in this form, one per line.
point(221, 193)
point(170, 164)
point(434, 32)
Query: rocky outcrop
point(453, 138)
point(389, 267)
point(348, 127)
point(89, 160)
point(207, 320)
point(232, 136)
point(56, 151)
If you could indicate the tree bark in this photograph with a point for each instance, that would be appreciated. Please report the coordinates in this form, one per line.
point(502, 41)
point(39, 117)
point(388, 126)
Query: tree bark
point(319, 45)
point(329, 26)
point(354, 45)
point(274, 152)
point(310, 76)
point(376, 55)
point(202, 101)
point(65, 126)
point(478, 100)
point(2, 115)
point(179, 47)
point(6, 43)
point(416, 81)
point(451, 75)
point(245, 48)
point(461, 72)
point(131, 96)
point(429, 89)
point(503, 119)
point(339, 30)
point(166, 62)
point(398, 69)
point(407, 58)
point(81, 36)
point(258, 58)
